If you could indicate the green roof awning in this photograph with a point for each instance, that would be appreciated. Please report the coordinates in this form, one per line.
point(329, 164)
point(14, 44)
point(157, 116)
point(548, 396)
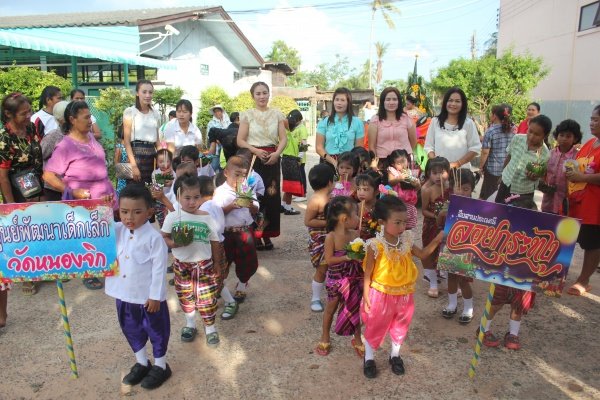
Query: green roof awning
point(118, 44)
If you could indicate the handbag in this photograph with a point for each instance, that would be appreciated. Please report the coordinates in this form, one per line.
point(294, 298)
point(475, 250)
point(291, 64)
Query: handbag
point(27, 182)
point(123, 171)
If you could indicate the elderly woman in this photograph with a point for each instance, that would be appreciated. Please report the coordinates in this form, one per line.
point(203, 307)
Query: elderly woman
point(391, 129)
point(20, 166)
point(452, 134)
point(79, 95)
point(584, 192)
point(77, 167)
point(341, 131)
point(49, 142)
point(262, 132)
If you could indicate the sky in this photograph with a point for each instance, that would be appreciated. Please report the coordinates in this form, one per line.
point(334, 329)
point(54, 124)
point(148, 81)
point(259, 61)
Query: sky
point(437, 30)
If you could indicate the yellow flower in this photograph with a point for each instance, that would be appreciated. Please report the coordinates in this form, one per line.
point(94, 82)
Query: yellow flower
point(23, 158)
point(415, 88)
point(356, 247)
point(2, 145)
point(373, 225)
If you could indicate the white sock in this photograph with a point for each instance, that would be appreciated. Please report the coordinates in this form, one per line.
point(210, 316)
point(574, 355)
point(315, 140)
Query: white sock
point(395, 350)
point(210, 329)
point(241, 286)
point(488, 324)
point(432, 275)
point(190, 319)
point(468, 307)
point(141, 357)
point(317, 288)
point(226, 295)
point(161, 362)
point(514, 327)
point(285, 205)
point(369, 352)
point(452, 301)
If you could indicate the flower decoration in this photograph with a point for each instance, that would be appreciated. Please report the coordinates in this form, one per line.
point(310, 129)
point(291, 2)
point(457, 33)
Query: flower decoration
point(387, 190)
point(162, 179)
point(244, 194)
point(356, 249)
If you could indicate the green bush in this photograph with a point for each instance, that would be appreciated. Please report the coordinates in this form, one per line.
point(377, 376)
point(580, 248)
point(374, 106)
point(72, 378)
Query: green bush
point(209, 97)
point(242, 102)
point(167, 97)
point(284, 103)
point(30, 82)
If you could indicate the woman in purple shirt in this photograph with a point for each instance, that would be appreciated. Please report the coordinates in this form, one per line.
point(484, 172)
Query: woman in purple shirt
point(77, 167)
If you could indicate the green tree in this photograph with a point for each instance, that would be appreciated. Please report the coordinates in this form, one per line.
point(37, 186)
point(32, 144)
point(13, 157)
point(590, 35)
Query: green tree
point(329, 76)
point(491, 45)
point(242, 102)
point(387, 8)
point(281, 52)
point(489, 80)
point(167, 97)
point(399, 84)
point(113, 101)
point(209, 97)
point(30, 82)
point(284, 103)
point(357, 80)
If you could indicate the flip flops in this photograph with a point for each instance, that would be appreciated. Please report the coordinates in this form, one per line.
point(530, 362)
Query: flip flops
point(578, 289)
point(188, 334)
point(323, 348)
point(358, 348)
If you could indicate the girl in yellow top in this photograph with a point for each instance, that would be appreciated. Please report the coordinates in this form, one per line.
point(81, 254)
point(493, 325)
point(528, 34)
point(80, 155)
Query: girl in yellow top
point(389, 282)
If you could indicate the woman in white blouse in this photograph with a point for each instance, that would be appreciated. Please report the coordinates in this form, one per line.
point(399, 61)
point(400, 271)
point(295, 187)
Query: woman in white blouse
point(140, 132)
point(452, 134)
point(181, 131)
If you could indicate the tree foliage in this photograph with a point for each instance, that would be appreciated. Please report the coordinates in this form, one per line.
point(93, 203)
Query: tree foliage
point(281, 52)
point(489, 80)
point(113, 101)
point(211, 96)
point(167, 97)
point(242, 102)
point(284, 103)
point(30, 82)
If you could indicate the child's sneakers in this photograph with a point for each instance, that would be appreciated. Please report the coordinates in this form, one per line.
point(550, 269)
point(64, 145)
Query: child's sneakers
point(137, 373)
point(511, 342)
point(156, 377)
point(489, 339)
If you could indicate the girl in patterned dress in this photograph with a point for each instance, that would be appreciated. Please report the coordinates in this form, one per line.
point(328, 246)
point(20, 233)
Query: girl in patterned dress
point(347, 168)
point(344, 276)
point(404, 183)
point(389, 283)
point(434, 197)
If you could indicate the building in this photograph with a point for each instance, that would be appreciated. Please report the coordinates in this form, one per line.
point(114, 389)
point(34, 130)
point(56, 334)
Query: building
point(566, 34)
point(189, 47)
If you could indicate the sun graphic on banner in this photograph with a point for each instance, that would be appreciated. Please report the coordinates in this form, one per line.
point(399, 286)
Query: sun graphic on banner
point(567, 231)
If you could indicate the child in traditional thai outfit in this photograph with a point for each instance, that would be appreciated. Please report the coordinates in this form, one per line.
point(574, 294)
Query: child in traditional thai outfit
point(320, 178)
point(140, 287)
point(435, 195)
point(239, 238)
point(367, 190)
point(207, 190)
point(344, 276)
point(347, 168)
point(389, 283)
point(195, 244)
point(401, 179)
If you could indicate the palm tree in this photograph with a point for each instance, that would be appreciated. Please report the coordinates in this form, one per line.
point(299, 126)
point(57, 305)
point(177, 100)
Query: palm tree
point(387, 8)
point(380, 50)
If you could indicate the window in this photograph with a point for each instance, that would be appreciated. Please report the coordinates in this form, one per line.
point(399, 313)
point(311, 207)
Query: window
point(590, 16)
point(203, 69)
point(236, 76)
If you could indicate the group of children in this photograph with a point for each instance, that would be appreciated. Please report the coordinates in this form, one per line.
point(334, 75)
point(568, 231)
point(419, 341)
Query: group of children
point(207, 229)
point(375, 200)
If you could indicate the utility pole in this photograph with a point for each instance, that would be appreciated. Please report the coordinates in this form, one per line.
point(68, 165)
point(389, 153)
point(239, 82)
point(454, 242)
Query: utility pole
point(473, 46)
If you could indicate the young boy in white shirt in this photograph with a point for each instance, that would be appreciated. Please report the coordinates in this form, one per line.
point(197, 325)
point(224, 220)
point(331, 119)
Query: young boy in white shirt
point(196, 276)
point(140, 287)
point(207, 190)
point(239, 238)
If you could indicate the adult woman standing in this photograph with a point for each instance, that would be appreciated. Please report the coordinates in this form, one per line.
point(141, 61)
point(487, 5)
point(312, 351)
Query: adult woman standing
point(391, 129)
point(533, 110)
point(584, 192)
point(262, 132)
point(341, 131)
point(79, 95)
point(49, 142)
point(180, 131)
point(140, 132)
point(20, 155)
point(77, 167)
point(452, 134)
point(43, 119)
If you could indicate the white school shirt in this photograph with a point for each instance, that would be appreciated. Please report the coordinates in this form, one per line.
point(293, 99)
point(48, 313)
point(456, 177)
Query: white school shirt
point(218, 216)
point(50, 123)
point(143, 261)
point(225, 195)
point(205, 231)
point(207, 170)
point(174, 134)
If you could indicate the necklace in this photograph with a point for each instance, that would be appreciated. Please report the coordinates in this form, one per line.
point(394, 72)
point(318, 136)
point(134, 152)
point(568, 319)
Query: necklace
point(390, 244)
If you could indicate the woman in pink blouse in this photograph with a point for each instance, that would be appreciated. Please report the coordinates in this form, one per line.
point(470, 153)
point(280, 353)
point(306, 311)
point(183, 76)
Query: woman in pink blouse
point(391, 129)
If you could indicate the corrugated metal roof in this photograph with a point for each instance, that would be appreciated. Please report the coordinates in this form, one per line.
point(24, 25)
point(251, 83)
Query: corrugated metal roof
point(102, 18)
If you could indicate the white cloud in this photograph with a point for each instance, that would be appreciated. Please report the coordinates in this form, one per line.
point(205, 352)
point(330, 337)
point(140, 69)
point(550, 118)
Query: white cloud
point(312, 32)
point(411, 51)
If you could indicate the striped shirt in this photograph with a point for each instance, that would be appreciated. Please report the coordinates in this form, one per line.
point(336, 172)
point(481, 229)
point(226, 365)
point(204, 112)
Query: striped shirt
point(514, 174)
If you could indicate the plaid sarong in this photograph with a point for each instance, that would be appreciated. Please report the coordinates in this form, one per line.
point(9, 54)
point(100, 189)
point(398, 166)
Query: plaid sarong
point(316, 245)
point(345, 282)
point(196, 287)
point(240, 249)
